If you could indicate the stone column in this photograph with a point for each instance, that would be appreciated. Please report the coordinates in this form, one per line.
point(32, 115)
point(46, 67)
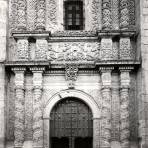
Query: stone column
point(40, 24)
point(124, 107)
point(106, 107)
point(124, 14)
point(96, 133)
point(37, 109)
point(19, 107)
point(21, 15)
point(106, 48)
point(106, 15)
point(22, 49)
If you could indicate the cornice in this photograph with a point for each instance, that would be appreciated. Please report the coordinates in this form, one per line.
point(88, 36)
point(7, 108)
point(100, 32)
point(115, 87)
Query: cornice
point(27, 34)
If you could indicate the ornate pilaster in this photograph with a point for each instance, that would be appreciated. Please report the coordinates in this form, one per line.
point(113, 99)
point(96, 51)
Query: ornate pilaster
point(41, 49)
point(22, 49)
point(96, 11)
point(19, 107)
point(40, 24)
point(37, 110)
point(106, 48)
point(124, 14)
point(124, 106)
point(71, 71)
point(125, 52)
point(21, 15)
point(106, 15)
point(106, 107)
point(115, 14)
point(31, 14)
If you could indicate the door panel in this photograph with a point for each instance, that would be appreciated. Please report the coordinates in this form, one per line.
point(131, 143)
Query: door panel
point(72, 119)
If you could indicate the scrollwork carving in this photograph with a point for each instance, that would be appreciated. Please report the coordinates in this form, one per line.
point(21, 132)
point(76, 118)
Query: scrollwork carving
point(40, 24)
point(124, 14)
point(21, 14)
point(22, 49)
point(106, 14)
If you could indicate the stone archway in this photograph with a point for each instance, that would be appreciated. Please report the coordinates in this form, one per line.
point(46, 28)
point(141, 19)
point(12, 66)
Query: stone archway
point(96, 113)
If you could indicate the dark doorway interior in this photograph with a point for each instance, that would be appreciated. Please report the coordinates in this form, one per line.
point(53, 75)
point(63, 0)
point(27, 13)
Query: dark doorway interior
point(83, 142)
point(59, 142)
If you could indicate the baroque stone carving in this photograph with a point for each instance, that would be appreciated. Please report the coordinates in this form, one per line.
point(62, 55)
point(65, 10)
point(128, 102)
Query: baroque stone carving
point(41, 49)
point(96, 14)
point(106, 48)
point(40, 24)
point(106, 14)
point(74, 33)
point(74, 51)
point(21, 14)
point(115, 50)
point(71, 71)
point(51, 11)
point(124, 107)
point(31, 14)
point(125, 49)
point(19, 107)
point(22, 49)
point(106, 107)
point(132, 13)
point(13, 6)
point(115, 14)
point(124, 14)
point(37, 108)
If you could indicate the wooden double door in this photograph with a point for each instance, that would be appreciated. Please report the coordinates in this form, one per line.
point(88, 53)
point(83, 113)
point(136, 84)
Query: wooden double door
point(71, 124)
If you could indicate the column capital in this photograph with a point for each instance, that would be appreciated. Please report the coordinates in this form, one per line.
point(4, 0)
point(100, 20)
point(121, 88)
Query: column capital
point(126, 68)
point(18, 69)
point(37, 69)
point(106, 69)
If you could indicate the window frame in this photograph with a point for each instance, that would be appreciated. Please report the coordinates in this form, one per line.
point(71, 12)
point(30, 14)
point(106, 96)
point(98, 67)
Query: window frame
point(82, 26)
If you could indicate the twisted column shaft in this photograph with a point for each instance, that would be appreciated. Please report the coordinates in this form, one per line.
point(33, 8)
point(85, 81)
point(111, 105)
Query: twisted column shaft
point(19, 107)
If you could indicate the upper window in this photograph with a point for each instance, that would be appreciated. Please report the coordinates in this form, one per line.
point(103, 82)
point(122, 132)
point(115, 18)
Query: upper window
point(73, 15)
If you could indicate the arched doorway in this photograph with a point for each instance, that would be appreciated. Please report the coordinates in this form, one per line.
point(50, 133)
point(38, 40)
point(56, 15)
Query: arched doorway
point(71, 124)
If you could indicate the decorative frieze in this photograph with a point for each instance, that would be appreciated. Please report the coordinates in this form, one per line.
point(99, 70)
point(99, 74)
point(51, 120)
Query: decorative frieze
point(19, 107)
point(124, 14)
point(96, 12)
point(22, 49)
point(124, 106)
point(41, 49)
point(125, 48)
point(31, 14)
point(115, 14)
point(106, 15)
point(74, 51)
point(21, 15)
point(37, 107)
point(106, 48)
point(40, 24)
point(71, 71)
point(106, 107)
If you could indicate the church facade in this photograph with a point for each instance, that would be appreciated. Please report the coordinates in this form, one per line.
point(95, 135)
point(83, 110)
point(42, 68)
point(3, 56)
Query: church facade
point(73, 74)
